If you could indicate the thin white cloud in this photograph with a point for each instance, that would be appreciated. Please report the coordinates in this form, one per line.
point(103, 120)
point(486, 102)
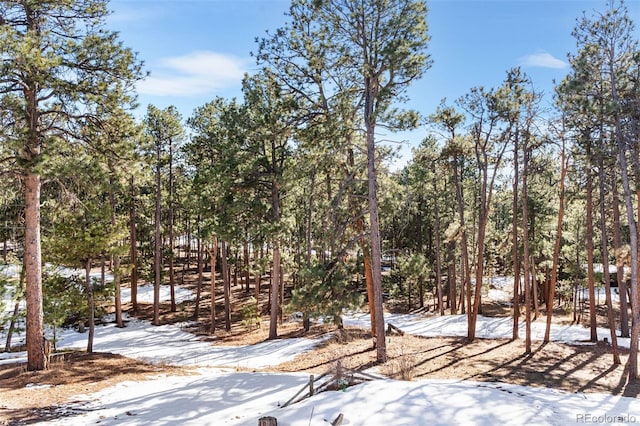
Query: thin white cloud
point(542, 60)
point(197, 73)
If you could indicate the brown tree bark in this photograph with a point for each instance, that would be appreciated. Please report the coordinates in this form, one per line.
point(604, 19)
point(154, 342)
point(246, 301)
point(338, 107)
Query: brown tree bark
point(371, 92)
point(116, 261)
point(556, 246)
point(247, 274)
point(436, 214)
point(33, 274)
point(200, 260)
point(157, 255)
point(275, 283)
point(605, 262)
point(213, 260)
point(451, 277)
point(90, 305)
point(516, 246)
point(525, 255)
point(464, 245)
point(366, 256)
point(224, 253)
point(133, 253)
point(170, 220)
point(589, 243)
point(617, 240)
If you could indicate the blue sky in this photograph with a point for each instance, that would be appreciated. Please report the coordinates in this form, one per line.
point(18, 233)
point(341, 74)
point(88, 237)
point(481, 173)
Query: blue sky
point(198, 49)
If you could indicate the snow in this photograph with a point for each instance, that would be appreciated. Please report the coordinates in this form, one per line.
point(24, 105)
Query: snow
point(145, 294)
point(222, 390)
point(487, 327)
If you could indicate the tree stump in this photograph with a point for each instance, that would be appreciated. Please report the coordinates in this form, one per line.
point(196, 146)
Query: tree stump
point(338, 420)
point(267, 421)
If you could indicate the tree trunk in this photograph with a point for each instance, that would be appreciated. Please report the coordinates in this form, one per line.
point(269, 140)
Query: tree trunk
point(371, 88)
point(258, 277)
point(90, 305)
point(451, 277)
point(556, 247)
point(632, 361)
point(157, 258)
point(200, 260)
point(275, 282)
point(247, 274)
point(366, 260)
point(224, 253)
point(589, 242)
point(605, 262)
point(525, 255)
point(172, 278)
point(622, 283)
point(134, 247)
point(281, 296)
point(464, 246)
point(214, 255)
point(516, 246)
point(275, 276)
point(436, 213)
point(33, 274)
point(116, 261)
point(535, 296)
point(366, 254)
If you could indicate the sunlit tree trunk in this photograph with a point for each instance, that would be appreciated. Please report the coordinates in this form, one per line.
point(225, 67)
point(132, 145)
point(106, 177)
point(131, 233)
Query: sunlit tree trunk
point(617, 239)
point(436, 213)
point(200, 260)
point(116, 261)
point(172, 277)
point(157, 256)
point(590, 248)
point(90, 305)
point(516, 245)
point(558, 240)
point(605, 262)
point(525, 255)
point(214, 253)
point(33, 268)
point(224, 253)
point(133, 254)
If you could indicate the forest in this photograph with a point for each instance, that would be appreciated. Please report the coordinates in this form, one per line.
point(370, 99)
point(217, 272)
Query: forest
point(285, 202)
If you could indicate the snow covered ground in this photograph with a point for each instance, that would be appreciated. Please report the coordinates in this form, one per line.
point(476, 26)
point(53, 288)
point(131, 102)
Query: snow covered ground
point(218, 394)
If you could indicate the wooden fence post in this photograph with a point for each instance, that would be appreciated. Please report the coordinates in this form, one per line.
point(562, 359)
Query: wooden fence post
point(267, 421)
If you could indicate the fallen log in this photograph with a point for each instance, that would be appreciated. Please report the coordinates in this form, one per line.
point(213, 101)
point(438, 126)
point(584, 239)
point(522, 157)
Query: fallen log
point(392, 328)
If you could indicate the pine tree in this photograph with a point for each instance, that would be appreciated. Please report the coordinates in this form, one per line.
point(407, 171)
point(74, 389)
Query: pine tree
point(59, 65)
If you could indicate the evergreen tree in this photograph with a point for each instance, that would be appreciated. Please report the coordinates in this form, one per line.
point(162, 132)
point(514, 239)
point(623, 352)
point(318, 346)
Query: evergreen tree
point(164, 129)
point(378, 49)
point(59, 65)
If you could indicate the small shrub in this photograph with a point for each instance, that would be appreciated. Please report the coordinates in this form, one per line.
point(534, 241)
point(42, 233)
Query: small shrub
point(405, 367)
point(250, 314)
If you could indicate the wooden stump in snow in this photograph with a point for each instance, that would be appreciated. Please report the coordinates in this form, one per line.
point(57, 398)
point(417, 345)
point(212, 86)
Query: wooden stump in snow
point(267, 421)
